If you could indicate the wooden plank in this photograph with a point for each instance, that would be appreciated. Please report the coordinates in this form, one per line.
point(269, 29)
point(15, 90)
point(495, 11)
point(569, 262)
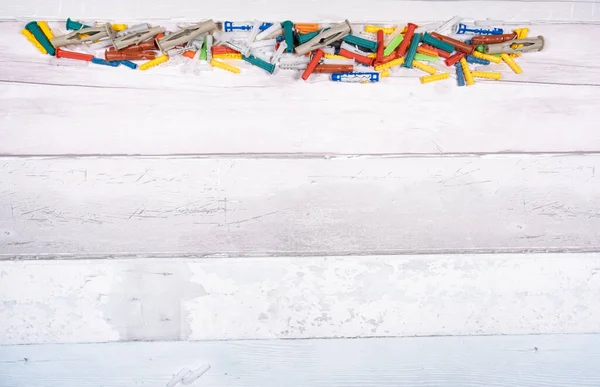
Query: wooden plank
point(90, 121)
point(581, 10)
point(534, 361)
point(288, 297)
point(51, 120)
point(90, 206)
point(167, 112)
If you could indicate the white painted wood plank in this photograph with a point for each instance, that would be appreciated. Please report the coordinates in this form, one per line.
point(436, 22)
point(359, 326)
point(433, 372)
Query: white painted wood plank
point(50, 120)
point(292, 297)
point(309, 11)
point(89, 206)
point(559, 361)
point(169, 112)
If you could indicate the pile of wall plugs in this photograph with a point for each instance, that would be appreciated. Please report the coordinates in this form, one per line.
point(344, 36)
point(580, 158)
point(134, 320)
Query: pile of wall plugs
point(347, 52)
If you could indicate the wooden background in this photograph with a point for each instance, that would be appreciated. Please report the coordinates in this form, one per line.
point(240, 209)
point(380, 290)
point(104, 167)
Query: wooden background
point(236, 211)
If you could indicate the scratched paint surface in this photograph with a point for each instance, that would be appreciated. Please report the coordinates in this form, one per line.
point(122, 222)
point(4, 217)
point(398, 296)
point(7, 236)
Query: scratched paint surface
point(294, 297)
point(300, 206)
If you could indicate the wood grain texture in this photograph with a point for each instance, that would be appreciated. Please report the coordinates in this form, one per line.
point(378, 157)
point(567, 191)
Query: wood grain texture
point(580, 10)
point(292, 297)
point(96, 206)
point(49, 110)
point(533, 361)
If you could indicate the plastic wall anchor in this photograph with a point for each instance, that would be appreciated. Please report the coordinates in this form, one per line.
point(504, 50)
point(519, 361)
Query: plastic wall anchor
point(253, 32)
point(516, 46)
point(448, 25)
point(428, 39)
point(144, 46)
point(209, 45)
point(460, 75)
point(293, 62)
point(470, 29)
point(454, 59)
point(393, 45)
point(305, 28)
point(361, 42)
point(87, 34)
point(511, 63)
point(440, 53)
point(275, 58)
point(491, 58)
point(333, 68)
point(39, 35)
point(119, 26)
point(487, 75)
point(385, 73)
point(222, 49)
point(270, 68)
point(229, 26)
point(412, 50)
point(32, 39)
point(133, 29)
point(492, 39)
point(388, 58)
point(228, 56)
point(343, 61)
point(467, 72)
point(380, 45)
point(473, 60)
point(103, 62)
point(129, 64)
point(424, 67)
point(457, 44)
point(268, 45)
point(318, 55)
point(359, 77)
point(271, 32)
point(136, 37)
point(204, 52)
point(325, 38)
point(427, 51)
point(184, 35)
point(426, 58)
point(388, 65)
point(189, 54)
point(45, 29)
point(372, 29)
point(334, 56)
point(224, 66)
point(357, 57)
point(303, 38)
point(154, 62)
point(403, 47)
point(288, 32)
point(72, 25)
point(129, 55)
point(389, 38)
point(521, 34)
point(60, 53)
point(434, 78)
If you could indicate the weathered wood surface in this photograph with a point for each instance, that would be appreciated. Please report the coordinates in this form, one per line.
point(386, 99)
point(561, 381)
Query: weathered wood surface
point(294, 297)
point(533, 361)
point(77, 207)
